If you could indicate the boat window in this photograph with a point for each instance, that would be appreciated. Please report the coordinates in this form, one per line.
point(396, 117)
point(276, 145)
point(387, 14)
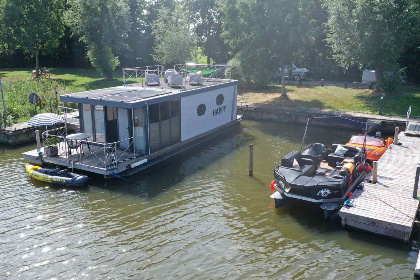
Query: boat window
point(175, 109)
point(99, 124)
point(201, 109)
point(175, 121)
point(154, 127)
point(154, 113)
point(140, 133)
point(370, 141)
point(219, 99)
point(111, 124)
point(87, 119)
point(165, 126)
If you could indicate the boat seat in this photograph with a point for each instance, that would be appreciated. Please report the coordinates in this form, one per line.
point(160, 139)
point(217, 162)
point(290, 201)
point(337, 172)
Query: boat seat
point(321, 171)
point(317, 153)
point(306, 165)
point(352, 152)
point(309, 182)
point(290, 174)
point(336, 174)
point(300, 181)
point(48, 171)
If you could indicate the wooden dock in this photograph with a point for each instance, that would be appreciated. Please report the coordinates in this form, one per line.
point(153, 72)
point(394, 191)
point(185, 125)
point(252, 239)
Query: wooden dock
point(388, 207)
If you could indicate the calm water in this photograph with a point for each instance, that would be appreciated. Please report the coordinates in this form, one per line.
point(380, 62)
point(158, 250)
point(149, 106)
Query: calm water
point(196, 216)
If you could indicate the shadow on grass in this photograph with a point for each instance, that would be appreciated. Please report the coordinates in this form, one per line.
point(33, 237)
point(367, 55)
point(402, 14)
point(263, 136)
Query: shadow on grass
point(393, 104)
point(278, 102)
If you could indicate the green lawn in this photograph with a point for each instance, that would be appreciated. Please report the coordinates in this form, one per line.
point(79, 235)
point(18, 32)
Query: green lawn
point(18, 85)
point(338, 98)
point(75, 79)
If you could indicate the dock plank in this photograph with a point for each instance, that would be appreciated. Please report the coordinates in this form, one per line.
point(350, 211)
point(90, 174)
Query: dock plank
point(387, 207)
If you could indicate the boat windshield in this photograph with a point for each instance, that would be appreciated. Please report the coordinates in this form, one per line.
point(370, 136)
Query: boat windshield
point(370, 141)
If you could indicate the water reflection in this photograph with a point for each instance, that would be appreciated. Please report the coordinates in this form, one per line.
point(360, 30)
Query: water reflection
point(196, 216)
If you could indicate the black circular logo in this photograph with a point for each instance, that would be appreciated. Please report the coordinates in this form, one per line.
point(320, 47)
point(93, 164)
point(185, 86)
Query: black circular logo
point(219, 99)
point(201, 109)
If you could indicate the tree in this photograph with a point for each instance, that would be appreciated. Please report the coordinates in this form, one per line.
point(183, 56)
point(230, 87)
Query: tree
point(103, 26)
point(263, 35)
point(206, 17)
point(32, 26)
point(369, 33)
point(174, 40)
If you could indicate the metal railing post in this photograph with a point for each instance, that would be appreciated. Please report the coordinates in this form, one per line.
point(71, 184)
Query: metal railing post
point(116, 157)
point(105, 157)
point(416, 182)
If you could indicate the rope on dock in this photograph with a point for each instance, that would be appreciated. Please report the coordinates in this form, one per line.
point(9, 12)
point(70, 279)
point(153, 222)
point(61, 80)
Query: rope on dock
point(386, 203)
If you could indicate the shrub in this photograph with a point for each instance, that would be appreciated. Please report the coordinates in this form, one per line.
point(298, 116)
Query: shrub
point(103, 60)
point(16, 95)
point(391, 80)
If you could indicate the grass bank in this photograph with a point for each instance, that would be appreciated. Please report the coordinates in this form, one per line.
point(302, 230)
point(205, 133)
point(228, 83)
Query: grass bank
point(337, 98)
point(18, 85)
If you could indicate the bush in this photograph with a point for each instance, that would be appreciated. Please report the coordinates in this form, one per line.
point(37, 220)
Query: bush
point(103, 60)
point(16, 95)
point(391, 80)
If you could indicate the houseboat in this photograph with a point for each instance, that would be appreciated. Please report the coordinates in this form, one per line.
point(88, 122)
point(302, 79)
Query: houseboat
point(128, 128)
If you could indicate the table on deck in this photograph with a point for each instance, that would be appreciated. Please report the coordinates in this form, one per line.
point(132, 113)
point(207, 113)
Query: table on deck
point(77, 138)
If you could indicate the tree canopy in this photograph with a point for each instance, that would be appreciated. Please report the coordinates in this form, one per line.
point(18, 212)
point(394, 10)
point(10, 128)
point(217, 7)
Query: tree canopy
point(175, 41)
point(333, 38)
point(368, 33)
point(32, 26)
point(103, 25)
point(263, 35)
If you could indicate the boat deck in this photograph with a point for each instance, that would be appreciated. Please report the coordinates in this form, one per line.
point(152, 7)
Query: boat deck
point(89, 158)
point(388, 207)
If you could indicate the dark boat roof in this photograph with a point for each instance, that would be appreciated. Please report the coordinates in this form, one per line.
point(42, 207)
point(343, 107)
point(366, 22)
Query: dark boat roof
point(138, 95)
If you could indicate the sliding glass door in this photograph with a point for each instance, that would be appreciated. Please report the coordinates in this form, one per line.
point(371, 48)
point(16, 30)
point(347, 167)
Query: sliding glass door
point(165, 124)
point(140, 130)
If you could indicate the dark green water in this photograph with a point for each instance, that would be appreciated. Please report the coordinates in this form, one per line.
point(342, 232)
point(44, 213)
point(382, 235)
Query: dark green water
point(196, 216)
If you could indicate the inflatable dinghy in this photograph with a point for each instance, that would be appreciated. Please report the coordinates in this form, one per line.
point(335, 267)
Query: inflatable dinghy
point(56, 176)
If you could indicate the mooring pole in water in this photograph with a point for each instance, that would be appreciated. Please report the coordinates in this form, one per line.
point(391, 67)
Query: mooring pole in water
point(416, 182)
point(251, 160)
point(38, 141)
point(397, 132)
point(375, 172)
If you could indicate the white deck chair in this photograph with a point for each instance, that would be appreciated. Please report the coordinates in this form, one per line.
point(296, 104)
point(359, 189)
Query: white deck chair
point(168, 73)
point(152, 79)
point(195, 79)
point(175, 80)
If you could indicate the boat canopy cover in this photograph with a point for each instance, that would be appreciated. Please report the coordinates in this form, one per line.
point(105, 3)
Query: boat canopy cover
point(337, 120)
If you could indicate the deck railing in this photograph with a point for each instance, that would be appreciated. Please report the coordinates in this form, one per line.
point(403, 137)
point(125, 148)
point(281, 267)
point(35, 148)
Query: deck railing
point(98, 155)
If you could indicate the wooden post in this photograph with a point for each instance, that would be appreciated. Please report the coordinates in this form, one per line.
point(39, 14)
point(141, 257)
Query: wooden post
point(56, 100)
point(397, 132)
point(322, 82)
point(4, 104)
point(38, 141)
point(375, 172)
point(381, 103)
point(416, 182)
point(251, 160)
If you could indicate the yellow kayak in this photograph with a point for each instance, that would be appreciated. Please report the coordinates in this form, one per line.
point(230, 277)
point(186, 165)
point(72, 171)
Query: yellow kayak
point(56, 176)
